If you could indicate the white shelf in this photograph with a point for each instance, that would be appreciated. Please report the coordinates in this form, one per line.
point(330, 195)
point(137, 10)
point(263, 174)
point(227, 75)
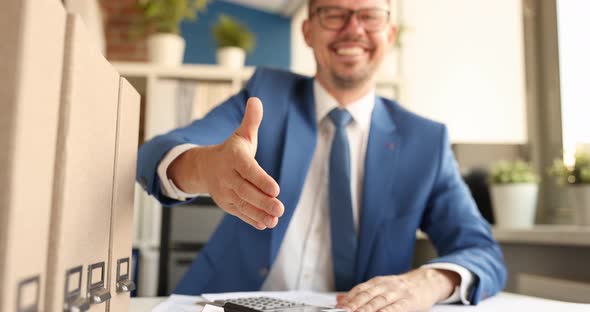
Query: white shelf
point(186, 71)
point(200, 72)
point(146, 245)
point(557, 235)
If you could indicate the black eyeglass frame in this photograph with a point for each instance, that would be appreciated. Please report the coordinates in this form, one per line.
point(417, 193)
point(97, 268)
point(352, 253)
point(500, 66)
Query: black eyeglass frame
point(318, 12)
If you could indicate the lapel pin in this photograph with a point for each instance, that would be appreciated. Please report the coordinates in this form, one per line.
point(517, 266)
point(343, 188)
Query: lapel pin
point(390, 146)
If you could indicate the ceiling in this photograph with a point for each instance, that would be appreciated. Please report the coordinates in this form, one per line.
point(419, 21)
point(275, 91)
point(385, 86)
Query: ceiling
point(282, 7)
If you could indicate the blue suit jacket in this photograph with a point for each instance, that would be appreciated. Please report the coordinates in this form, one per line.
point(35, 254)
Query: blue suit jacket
point(411, 182)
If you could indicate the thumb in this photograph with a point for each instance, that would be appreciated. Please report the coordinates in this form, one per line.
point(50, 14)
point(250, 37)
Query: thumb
point(251, 121)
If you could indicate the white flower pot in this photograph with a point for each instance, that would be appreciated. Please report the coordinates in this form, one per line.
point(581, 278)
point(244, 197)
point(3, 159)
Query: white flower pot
point(580, 199)
point(515, 204)
point(231, 57)
point(165, 49)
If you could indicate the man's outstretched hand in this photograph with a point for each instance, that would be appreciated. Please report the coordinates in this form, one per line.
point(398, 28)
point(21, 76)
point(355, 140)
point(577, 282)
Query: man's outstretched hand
point(231, 175)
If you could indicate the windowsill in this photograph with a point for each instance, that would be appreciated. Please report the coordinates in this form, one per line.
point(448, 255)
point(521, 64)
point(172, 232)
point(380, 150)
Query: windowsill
point(546, 234)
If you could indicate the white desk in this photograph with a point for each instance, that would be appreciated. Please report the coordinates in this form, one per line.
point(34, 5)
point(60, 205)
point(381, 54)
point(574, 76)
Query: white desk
point(505, 302)
point(143, 304)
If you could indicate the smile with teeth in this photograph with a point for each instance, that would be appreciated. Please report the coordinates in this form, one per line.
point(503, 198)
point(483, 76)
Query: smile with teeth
point(350, 51)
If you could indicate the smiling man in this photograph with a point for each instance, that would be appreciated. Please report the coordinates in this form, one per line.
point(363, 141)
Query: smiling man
point(326, 192)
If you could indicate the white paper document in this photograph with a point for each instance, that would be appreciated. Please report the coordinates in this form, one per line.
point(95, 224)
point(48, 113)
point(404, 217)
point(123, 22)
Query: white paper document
point(503, 302)
point(507, 302)
point(212, 308)
point(191, 303)
point(180, 303)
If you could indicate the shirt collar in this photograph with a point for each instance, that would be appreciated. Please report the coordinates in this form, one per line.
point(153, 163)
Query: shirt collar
point(360, 109)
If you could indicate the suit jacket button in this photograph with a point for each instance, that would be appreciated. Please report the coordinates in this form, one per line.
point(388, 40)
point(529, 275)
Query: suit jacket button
point(263, 272)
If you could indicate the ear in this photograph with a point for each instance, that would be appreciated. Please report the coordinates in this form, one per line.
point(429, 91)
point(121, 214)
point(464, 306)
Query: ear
point(392, 34)
point(306, 30)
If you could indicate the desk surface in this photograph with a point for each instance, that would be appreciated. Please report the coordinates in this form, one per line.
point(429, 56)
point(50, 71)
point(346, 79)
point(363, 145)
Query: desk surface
point(502, 302)
point(145, 303)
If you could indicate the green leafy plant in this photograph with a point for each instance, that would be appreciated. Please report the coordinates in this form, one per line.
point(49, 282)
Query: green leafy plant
point(505, 172)
point(165, 16)
point(228, 32)
point(579, 173)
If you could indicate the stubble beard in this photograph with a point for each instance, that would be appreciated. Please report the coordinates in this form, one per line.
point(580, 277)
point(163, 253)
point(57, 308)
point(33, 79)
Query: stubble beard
point(354, 80)
point(351, 81)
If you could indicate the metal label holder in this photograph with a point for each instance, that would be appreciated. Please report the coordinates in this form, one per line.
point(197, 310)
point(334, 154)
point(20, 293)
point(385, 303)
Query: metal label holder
point(124, 283)
point(33, 307)
point(96, 292)
point(73, 302)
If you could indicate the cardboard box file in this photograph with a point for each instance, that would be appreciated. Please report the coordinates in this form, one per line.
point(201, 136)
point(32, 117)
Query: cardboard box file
point(31, 56)
point(81, 213)
point(119, 273)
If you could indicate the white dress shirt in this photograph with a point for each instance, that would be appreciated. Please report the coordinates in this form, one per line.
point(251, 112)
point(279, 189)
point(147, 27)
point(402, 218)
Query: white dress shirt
point(304, 260)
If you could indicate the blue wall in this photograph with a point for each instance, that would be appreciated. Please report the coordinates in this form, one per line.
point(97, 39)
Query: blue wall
point(273, 35)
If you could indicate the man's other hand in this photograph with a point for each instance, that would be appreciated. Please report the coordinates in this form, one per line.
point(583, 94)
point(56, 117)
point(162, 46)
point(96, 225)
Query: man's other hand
point(231, 175)
point(416, 290)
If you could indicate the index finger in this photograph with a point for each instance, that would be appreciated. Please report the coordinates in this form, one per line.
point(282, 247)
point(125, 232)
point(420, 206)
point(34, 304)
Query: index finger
point(250, 170)
point(358, 289)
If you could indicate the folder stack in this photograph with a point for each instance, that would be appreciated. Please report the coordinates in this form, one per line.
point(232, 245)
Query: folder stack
point(69, 128)
point(83, 186)
point(31, 54)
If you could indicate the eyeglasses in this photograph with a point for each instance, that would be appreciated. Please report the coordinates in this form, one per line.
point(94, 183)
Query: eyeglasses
point(336, 18)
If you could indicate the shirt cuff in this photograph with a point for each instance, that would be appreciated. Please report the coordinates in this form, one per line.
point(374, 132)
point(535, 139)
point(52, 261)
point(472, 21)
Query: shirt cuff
point(169, 189)
point(460, 294)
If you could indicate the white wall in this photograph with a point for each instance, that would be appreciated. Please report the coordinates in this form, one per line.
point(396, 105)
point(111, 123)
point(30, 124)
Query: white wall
point(574, 65)
point(463, 64)
point(302, 60)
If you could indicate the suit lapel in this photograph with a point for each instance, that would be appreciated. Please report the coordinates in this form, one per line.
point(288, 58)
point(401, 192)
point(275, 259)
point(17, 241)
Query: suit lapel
point(300, 142)
point(380, 164)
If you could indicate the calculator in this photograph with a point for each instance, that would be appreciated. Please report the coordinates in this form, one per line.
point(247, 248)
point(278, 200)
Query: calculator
point(267, 304)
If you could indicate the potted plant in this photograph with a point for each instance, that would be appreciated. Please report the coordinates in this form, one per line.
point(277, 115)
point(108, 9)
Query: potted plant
point(163, 17)
point(577, 178)
point(514, 190)
point(234, 40)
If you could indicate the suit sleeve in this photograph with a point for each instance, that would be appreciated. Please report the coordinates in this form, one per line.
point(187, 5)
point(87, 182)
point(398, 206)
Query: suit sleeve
point(458, 231)
point(214, 128)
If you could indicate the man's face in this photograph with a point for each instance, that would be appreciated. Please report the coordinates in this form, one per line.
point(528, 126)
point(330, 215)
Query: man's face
point(351, 55)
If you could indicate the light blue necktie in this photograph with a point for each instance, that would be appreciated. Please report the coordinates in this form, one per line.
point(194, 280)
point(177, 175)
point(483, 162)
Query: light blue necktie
point(344, 239)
